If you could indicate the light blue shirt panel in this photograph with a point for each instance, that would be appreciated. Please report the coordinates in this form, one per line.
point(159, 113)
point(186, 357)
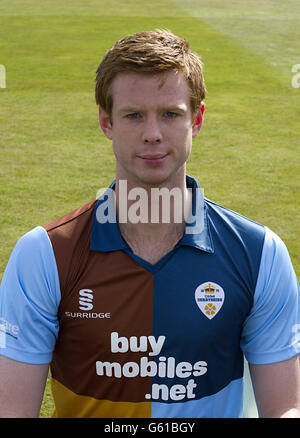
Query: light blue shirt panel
point(227, 403)
point(270, 331)
point(29, 299)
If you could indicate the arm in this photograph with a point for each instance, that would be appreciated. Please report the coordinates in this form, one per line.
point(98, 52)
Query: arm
point(277, 388)
point(21, 388)
point(29, 298)
point(270, 338)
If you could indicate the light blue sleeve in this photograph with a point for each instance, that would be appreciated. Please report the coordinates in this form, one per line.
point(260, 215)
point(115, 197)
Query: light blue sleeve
point(29, 299)
point(271, 332)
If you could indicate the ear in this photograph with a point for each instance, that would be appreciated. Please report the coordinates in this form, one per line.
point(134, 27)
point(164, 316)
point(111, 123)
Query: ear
point(105, 123)
point(198, 120)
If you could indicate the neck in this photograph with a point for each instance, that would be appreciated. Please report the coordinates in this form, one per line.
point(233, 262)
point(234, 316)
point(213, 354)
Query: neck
point(152, 214)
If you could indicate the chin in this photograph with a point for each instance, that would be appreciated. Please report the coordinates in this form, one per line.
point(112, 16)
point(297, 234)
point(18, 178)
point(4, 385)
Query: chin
point(159, 179)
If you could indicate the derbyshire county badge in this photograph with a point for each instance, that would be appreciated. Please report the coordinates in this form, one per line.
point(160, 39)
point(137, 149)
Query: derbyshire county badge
point(209, 298)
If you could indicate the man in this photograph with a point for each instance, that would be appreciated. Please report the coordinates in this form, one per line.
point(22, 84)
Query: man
point(150, 317)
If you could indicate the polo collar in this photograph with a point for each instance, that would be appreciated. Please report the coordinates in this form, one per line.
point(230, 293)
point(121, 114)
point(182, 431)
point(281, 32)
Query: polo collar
point(107, 237)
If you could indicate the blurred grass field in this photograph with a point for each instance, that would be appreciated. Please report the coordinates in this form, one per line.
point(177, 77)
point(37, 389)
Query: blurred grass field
point(54, 157)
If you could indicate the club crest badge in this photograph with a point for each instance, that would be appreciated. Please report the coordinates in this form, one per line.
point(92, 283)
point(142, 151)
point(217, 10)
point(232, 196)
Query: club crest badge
point(209, 298)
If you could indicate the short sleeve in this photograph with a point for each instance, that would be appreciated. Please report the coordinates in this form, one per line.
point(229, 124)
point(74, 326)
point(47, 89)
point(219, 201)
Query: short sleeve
point(29, 299)
point(271, 330)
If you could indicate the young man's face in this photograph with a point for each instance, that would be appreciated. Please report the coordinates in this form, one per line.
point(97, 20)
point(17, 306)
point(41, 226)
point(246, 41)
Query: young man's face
point(151, 128)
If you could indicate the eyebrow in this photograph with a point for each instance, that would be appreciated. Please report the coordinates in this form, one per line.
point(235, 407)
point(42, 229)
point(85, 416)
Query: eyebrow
point(129, 110)
point(177, 107)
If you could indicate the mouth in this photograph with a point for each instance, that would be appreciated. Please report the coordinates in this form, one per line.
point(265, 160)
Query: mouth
point(153, 158)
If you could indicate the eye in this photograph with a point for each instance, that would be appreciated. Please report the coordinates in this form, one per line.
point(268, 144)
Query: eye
point(133, 116)
point(170, 114)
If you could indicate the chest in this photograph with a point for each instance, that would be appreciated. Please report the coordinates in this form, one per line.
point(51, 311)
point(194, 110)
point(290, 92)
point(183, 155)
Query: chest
point(122, 323)
point(194, 303)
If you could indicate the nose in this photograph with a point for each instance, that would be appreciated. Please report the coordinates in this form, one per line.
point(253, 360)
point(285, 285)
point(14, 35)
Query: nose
point(152, 133)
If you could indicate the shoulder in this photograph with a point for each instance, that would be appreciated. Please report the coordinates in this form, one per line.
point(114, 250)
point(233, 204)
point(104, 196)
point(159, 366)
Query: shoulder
point(32, 259)
point(32, 247)
point(71, 230)
point(70, 238)
point(273, 248)
point(276, 265)
point(70, 220)
point(231, 218)
point(235, 230)
point(274, 245)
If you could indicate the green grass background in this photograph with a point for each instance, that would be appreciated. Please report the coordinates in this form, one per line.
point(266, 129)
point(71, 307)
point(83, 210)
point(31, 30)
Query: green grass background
point(54, 157)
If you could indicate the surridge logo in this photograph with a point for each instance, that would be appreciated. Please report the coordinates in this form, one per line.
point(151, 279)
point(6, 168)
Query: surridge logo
point(86, 299)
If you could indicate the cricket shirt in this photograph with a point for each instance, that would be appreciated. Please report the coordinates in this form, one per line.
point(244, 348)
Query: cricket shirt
point(127, 338)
